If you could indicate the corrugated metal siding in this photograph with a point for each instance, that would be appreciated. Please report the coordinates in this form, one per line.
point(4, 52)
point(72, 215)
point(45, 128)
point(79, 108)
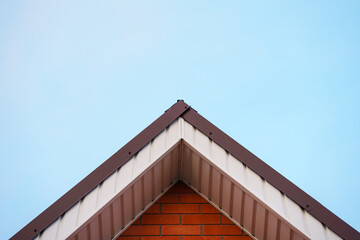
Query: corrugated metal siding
point(236, 190)
point(243, 195)
point(114, 203)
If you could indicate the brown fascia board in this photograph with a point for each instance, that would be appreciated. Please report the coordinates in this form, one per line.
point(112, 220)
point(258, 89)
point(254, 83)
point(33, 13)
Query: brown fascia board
point(304, 200)
point(181, 109)
point(79, 191)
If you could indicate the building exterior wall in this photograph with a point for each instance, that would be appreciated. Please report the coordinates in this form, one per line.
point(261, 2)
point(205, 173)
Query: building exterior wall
point(182, 214)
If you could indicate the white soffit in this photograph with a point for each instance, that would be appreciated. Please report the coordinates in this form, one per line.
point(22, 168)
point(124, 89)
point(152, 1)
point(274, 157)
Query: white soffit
point(264, 211)
point(236, 190)
point(92, 212)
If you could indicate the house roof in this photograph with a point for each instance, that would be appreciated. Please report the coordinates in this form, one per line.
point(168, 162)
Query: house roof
point(177, 143)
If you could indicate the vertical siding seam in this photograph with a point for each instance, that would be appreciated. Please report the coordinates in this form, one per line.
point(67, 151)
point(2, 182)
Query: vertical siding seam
point(286, 210)
point(116, 176)
point(327, 236)
point(254, 212)
point(78, 212)
point(231, 203)
point(246, 180)
point(57, 228)
point(112, 220)
point(221, 191)
point(306, 222)
point(278, 229)
point(165, 137)
point(97, 196)
point(150, 148)
point(266, 223)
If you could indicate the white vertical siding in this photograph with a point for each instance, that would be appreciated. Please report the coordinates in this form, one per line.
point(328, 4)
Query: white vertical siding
point(250, 201)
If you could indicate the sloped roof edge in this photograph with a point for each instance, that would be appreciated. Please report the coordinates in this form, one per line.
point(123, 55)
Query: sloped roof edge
point(300, 197)
point(180, 108)
point(102, 172)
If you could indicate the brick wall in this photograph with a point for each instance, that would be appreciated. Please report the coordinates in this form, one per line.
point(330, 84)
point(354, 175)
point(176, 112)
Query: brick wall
point(182, 214)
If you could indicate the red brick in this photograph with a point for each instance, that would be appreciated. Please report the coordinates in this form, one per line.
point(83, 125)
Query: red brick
point(181, 230)
point(128, 238)
point(237, 238)
point(191, 198)
point(135, 230)
point(180, 187)
point(169, 198)
point(179, 208)
point(221, 230)
point(161, 238)
point(201, 219)
point(225, 220)
point(153, 209)
point(201, 238)
point(161, 219)
point(208, 208)
point(137, 221)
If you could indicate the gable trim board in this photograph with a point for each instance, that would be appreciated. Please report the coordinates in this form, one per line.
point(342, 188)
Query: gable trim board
point(171, 126)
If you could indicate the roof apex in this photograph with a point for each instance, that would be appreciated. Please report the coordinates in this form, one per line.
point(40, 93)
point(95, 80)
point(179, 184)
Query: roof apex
point(183, 110)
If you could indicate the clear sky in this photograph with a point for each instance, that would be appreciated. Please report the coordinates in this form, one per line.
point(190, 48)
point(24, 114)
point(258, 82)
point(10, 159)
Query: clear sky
point(79, 79)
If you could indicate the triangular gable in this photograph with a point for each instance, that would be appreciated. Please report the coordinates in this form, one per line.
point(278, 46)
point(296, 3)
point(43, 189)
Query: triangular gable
point(181, 212)
point(181, 144)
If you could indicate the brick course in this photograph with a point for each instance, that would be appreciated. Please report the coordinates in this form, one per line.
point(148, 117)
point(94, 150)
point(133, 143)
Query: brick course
point(182, 214)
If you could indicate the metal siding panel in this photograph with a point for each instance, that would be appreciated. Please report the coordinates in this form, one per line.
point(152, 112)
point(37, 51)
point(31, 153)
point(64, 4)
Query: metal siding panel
point(226, 194)
point(157, 180)
point(127, 206)
point(142, 160)
point(237, 204)
point(296, 214)
point(260, 222)
point(94, 229)
point(158, 146)
point(316, 228)
point(186, 174)
point(215, 187)
point(137, 193)
point(174, 164)
point(148, 187)
point(218, 155)
point(87, 206)
point(189, 133)
point(157, 171)
point(284, 231)
point(273, 198)
point(202, 144)
point(298, 237)
point(124, 176)
point(195, 161)
point(106, 223)
point(236, 170)
point(167, 170)
point(51, 231)
point(68, 222)
point(172, 133)
point(332, 235)
point(205, 178)
point(254, 183)
point(271, 229)
point(82, 235)
point(107, 190)
point(248, 212)
point(117, 215)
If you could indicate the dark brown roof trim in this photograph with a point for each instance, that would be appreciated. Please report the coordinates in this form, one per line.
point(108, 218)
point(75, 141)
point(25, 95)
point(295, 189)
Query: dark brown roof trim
point(317, 210)
point(74, 195)
point(191, 116)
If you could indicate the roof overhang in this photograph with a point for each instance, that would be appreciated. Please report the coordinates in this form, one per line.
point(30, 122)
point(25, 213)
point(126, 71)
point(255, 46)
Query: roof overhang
point(181, 144)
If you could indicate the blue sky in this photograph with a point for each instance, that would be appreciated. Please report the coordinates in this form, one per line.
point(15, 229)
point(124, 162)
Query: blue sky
point(78, 80)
